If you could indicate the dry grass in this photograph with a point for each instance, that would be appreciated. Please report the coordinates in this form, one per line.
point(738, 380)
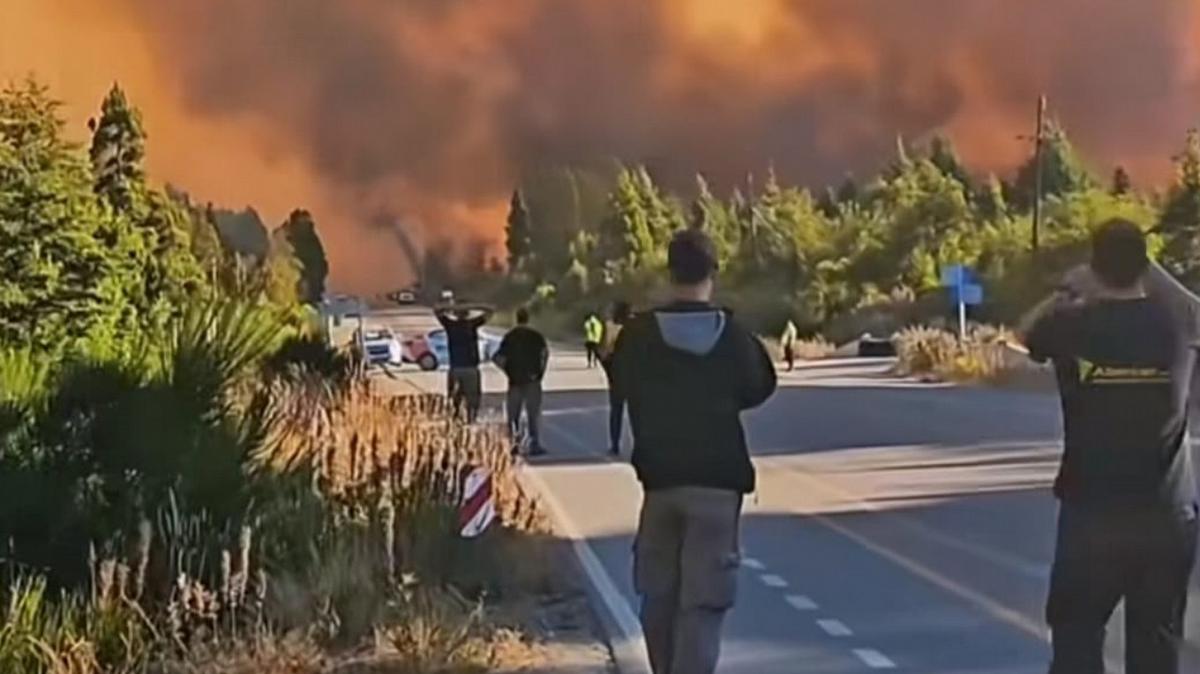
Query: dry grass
point(351, 562)
point(939, 355)
point(361, 442)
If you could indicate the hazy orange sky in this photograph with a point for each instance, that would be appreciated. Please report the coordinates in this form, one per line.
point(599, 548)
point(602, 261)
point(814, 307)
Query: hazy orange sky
point(419, 116)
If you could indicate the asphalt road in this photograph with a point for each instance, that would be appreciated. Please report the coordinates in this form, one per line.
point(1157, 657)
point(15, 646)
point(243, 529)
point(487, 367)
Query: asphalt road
point(897, 525)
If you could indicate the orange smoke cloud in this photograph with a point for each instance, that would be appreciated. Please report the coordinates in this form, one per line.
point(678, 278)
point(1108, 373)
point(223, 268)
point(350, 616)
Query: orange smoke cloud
point(418, 116)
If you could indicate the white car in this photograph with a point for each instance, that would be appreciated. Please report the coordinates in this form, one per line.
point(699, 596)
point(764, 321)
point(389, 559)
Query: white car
point(433, 351)
point(380, 347)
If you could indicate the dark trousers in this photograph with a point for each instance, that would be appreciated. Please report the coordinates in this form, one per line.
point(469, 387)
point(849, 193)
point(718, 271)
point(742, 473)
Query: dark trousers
point(616, 409)
point(1104, 555)
point(685, 569)
point(593, 353)
point(527, 398)
point(789, 356)
point(465, 390)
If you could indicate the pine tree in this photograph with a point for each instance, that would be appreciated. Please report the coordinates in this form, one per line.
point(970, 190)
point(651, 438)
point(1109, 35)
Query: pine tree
point(625, 232)
point(518, 233)
point(849, 191)
point(1122, 184)
point(769, 247)
point(1063, 172)
point(1180, 222)
point(59, 277)
point(278, 277)
point(118, 150)
point(206, 244)
point(990, 204)
point(929, 218)
point(710, 215)
point(945, 157)
point(664, 215)
point(301, 234)
point(171, 271)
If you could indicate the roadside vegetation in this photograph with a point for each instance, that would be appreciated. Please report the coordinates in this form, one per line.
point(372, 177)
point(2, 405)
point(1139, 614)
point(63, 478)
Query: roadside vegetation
point(863, 256)
point(193, 483)
point(988, 354)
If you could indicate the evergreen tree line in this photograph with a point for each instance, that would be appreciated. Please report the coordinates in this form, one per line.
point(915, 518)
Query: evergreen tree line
point(819, 257)
point(91, 254)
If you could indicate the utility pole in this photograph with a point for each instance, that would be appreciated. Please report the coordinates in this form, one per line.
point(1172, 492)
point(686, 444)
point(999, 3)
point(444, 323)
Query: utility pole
point(1039, 142)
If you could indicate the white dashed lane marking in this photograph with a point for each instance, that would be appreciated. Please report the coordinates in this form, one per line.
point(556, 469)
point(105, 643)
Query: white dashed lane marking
point(835, 628)
point(874, 659)
point(801, 603)
point(771, 580)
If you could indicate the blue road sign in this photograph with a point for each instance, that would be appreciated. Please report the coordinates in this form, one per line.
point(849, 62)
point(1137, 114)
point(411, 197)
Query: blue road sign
point(963, 285)
point(971, 293)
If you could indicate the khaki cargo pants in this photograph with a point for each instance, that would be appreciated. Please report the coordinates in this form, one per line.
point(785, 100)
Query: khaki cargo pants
point(685, 569)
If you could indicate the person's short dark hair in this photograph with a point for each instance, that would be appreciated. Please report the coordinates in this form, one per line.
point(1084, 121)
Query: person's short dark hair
point(691, 257)
point(522, 316)
point(1119, 257)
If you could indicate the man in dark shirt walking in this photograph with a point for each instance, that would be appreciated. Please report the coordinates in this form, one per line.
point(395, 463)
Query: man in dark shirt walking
point(1127, 520)
point(463, 383)
point(523, 356)
point(688, 370)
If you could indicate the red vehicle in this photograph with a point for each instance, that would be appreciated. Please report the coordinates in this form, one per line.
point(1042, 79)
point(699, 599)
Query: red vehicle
point(431, 351)
point(417, 349)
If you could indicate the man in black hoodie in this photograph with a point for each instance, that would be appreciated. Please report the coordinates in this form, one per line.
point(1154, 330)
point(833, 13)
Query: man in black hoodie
point(688, 371)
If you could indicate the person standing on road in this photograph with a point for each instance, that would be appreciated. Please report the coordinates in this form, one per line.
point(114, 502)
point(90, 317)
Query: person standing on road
point(593, 332)
point(463, 383)
point(523, 355)
point(788, 342)
point(1123, 343)
point(621, 313)
point(688, 370)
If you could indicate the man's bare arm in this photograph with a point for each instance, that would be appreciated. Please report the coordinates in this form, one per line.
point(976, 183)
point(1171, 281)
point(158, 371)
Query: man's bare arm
point(1046, 306)
point(1183, 303)
point(1160, 284)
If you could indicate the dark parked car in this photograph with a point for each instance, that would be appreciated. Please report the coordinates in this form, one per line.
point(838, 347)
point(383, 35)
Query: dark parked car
point(870, 346)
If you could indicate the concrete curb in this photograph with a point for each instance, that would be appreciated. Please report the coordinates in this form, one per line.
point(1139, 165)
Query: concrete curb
point(620, 624)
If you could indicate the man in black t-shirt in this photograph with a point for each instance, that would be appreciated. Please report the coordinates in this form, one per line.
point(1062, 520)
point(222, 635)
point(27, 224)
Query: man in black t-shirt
point(1127, 521)
point(523, 356)
point(463, 384)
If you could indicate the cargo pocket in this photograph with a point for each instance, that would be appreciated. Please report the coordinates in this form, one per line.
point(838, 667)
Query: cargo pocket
point(712, 582)
point(655, 569)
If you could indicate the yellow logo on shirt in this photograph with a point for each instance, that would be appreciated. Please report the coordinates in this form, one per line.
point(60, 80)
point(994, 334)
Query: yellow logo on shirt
point(1091, 373)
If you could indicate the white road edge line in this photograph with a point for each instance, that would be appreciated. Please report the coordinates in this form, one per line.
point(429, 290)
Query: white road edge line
point(835, 628)
point(771, 580)
point(874, 659)
point(801, 603)
point(753, 564)
point(629, 647)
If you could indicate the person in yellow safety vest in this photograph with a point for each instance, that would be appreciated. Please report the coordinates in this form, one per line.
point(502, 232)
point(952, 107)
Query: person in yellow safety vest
point(593, 332)
point(788, 342)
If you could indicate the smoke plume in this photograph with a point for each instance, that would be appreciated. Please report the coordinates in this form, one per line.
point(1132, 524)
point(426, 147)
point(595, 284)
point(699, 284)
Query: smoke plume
point(422, 114)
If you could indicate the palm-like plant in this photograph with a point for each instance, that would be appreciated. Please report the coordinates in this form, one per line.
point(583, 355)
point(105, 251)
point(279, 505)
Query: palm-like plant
point(118, 437)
